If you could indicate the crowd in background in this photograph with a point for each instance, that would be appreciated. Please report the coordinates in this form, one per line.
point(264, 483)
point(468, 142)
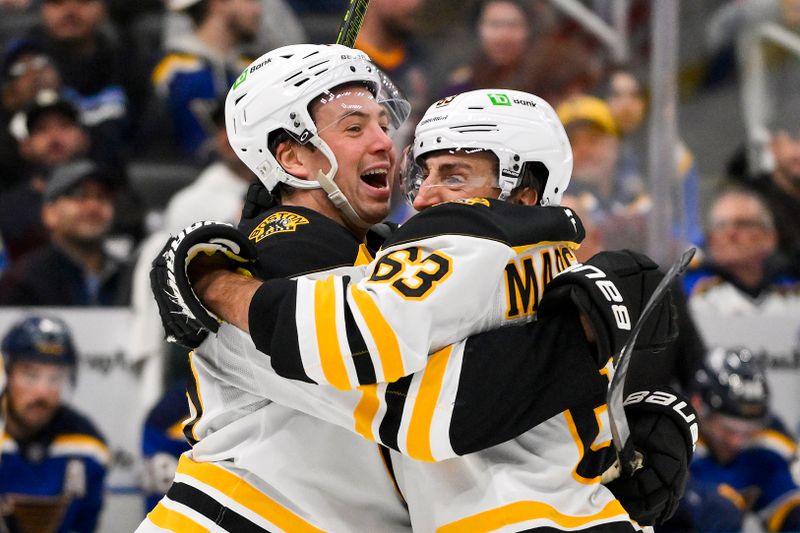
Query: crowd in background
point(133, 87)
point(112, 135)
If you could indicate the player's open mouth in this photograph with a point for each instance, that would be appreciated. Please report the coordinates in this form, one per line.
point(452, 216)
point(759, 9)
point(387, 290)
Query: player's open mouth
point(376, 178)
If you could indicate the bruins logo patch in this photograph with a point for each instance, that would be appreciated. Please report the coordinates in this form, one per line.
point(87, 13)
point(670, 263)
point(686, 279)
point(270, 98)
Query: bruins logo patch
point(279, 222)
point(472, 201)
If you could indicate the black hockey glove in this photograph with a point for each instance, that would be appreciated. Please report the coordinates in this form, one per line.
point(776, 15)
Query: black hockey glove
point(185, 319)
point(611, 289)
point(664, 429)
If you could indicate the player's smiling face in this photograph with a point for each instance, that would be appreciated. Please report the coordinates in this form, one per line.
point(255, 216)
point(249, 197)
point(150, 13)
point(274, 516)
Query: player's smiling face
point(453, 176)
point(356, 127)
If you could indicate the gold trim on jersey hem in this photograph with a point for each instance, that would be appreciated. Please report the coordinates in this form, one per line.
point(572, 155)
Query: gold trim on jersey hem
point(523, 511)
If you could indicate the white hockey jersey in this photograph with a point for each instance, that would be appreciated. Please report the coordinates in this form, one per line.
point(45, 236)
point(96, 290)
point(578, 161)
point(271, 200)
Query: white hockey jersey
point(257, 465)
point(235, 426)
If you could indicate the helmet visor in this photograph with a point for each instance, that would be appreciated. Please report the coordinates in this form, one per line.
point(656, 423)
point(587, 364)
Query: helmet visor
point(359, 96)
point(414, 176)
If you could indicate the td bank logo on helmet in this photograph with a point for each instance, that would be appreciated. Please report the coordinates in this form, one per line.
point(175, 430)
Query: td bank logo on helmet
point(501, 99)
point(243, 76)
point(240, 79)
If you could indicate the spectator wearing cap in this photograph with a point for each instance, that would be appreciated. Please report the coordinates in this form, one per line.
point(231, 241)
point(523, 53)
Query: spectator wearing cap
point(593, 134)
point(92, 69)
point(199, 68)
point(49, 133)
point(74, 269)
point(218, 192)
point(26, 70)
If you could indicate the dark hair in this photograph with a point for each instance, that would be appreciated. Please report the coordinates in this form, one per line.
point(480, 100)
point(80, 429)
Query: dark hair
point(198, 12)
point(534, 176)
point(218, 113)
point(281, 191)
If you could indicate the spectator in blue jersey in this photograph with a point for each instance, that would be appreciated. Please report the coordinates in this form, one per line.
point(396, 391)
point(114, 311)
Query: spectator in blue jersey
point(92, 69)
point(163, 443)
point(738, 277)
point(54, 460)
point(743, 459)
point(200, 67)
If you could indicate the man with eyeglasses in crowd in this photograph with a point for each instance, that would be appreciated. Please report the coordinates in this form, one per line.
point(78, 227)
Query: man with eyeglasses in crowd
point(738, 276)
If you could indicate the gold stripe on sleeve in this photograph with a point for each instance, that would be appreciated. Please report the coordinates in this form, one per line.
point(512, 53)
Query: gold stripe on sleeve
point(383, 335)
point(365, 411)
point(517, 512)
point(330, 355)
point(419, 429)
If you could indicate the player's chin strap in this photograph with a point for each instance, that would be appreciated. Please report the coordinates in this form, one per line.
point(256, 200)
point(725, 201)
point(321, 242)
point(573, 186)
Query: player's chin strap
point(339, 200)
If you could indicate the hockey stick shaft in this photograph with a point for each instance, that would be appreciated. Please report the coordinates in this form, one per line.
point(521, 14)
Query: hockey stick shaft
point(628, 461)
point(351, 24)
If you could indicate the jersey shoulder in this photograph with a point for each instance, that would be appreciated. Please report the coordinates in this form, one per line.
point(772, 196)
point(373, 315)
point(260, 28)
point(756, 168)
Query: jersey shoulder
point(71, 422)
point(293, 241)
point(774, 438)
point(512, 224)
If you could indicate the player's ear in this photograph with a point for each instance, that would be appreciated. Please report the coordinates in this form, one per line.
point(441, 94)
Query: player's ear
point(291, 157)
point(524, 196)
point(49, 216)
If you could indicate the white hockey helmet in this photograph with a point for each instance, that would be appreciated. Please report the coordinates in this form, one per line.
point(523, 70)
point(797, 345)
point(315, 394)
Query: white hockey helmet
point(516, 126)
point(274, 93)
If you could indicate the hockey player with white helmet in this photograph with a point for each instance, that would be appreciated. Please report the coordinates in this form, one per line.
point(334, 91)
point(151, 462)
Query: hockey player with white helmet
point(521, 130)
point(255, 464)
point(305, 77)
point(338, 333)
